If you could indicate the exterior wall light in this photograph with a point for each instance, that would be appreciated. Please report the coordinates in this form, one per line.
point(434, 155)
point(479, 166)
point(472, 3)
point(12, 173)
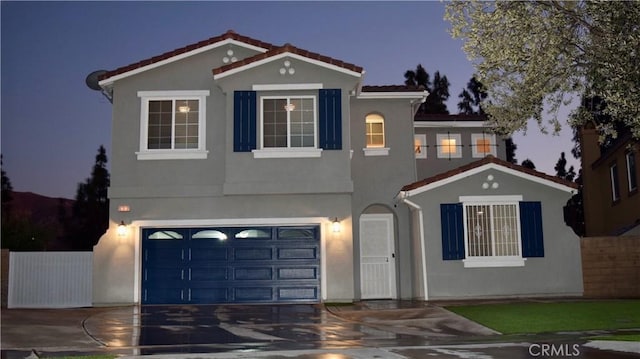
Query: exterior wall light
point(335, 225)
point(122, 229)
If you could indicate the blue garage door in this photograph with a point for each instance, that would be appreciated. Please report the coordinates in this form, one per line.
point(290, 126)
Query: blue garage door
point(230, 265)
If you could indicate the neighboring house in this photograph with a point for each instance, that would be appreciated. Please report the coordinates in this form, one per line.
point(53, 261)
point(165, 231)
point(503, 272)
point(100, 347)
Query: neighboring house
point(610, 176)
point(247, 172)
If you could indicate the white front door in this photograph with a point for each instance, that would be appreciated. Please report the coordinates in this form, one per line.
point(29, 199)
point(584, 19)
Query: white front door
point(377, 257)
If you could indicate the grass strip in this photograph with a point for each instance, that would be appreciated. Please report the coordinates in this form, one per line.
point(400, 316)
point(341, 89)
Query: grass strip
point(536, 317)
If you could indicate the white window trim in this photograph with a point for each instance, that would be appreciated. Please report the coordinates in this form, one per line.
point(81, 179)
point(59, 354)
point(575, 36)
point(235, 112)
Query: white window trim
point(443, 136)
point(170, 154)
point(491, 261)
point(376, 151)
point(421, 138)
point(288, 152)
point(474, 147)
point(615, 195)
point(635, 161)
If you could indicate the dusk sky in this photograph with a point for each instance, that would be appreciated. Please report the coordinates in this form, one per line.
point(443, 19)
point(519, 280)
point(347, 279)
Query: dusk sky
point(53, 124)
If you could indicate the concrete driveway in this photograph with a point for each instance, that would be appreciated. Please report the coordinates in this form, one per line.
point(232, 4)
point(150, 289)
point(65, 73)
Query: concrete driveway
point(382, 329)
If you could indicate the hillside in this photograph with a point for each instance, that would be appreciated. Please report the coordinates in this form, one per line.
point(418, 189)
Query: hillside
point(41, 210)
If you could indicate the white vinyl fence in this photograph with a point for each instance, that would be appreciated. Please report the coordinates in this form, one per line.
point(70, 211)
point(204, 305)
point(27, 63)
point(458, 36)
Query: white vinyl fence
point(50, 279)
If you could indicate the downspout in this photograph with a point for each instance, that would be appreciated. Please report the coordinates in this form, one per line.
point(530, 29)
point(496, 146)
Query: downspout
point(414, 207)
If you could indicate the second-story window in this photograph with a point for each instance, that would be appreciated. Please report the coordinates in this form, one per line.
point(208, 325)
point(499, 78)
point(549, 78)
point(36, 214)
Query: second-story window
point(375, 131)
point(483, 144)
point(289, 122)
point(449, 145)
point(632, 171)
point(172, 124)
point(615, 186)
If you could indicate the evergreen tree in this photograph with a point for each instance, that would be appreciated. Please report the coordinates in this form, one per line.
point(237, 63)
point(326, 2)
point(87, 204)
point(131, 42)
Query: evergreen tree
point(471, 98)
point(6, 190)
point(561, 169)
point(528, 164)
point(511, 150)
point(90, 212)
point(438, 89)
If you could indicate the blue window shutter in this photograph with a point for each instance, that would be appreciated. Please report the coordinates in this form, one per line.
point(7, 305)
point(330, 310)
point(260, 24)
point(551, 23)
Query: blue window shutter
point(452, 227)
point(330, 119)
point(244, 121)
point(531, 229)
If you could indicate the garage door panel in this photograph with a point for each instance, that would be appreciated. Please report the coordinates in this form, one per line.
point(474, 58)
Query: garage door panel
point(297, 273)
point(163, 257)
point(298, 253)
point(253, 294)
point(163, 295)
point(253, 254)
point(207, 295)
point(158, 276)
point(206, 255)
point(297, 293)
point(210, 274)
point(253, 273)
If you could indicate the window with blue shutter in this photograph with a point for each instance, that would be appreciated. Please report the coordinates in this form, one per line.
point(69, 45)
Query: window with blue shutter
point(244, 121)
point(452, 226)
point(330, 119)
point(531, 229)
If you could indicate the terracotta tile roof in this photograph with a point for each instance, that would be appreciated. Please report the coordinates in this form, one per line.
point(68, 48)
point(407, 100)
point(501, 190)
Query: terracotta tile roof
point(291, 49)
point(482, 162)
point(392, 88)
point(227, 35)
point(448, 117)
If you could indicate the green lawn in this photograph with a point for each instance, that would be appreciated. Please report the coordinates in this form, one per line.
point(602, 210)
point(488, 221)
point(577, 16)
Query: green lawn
point(536, 317)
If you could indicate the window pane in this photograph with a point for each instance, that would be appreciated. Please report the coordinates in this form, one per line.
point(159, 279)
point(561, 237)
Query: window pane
point(186, 126)
point(254, 234)
point(505, 230)
point(301, 122)
point(448, 145)
point(483, 145)
point(274, 123)
point(632, 171)
point(615, 187)
point(165, 235)
point(209, 234)
point(479, 230)
point(159, 125)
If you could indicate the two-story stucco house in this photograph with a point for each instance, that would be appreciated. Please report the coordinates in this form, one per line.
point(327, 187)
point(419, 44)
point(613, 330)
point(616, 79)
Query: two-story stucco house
point(253, 173)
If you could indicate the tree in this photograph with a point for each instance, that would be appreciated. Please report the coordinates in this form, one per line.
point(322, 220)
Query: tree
point(6, 189)
point(471, 98)
point(90, 211)
point(438, 89)
point(534, 55)
point(511, 148)
point(561, 169)
point(528, 164)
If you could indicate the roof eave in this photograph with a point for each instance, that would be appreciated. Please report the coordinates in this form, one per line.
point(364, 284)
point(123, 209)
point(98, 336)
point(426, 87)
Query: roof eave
point(475, 170)
point(110, 80)
point(235, 70)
